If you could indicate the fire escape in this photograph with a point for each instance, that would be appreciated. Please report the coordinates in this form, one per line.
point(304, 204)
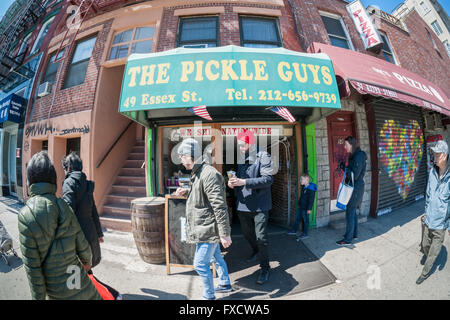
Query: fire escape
point(26, 15)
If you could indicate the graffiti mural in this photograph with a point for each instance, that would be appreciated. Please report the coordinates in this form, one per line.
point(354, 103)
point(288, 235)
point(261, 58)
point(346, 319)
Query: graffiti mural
point(400, 150)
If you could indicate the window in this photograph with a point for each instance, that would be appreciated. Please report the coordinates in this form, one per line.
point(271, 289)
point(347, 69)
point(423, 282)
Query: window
point(436, 27)
point(73, 145)
point(387, 50)
point(137, 40)
point(42, 35)
point(79, 64)
point(447, 46)
point(23, 47)
point(424, 7)
point(199, 32)
point(52, 68)
point(336, 31)
point(259, 32)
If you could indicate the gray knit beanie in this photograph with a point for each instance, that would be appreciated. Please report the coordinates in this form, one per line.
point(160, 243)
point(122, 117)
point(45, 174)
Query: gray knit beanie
point(190, 146)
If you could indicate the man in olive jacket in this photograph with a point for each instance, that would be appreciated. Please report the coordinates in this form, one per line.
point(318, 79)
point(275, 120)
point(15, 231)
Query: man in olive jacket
point(55, 252)
point(207, 220)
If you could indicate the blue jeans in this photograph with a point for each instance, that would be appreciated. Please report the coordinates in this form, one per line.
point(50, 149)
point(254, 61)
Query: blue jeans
point(352, 224)
point(301, 216)
point(205, 253)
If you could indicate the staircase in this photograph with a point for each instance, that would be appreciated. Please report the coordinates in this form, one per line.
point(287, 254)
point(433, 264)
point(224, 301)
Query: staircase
point(129, 185)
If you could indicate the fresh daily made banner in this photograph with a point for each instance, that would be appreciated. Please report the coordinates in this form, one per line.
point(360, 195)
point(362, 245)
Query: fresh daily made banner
point(228, 76)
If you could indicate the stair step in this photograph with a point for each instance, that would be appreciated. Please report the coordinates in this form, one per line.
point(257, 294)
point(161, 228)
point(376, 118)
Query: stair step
point(119, 199)
point(121, 210)
point(137, 191)
point(113, 222)
point(135, 172)
point(138, 149)
point(140, 143)
point(136, 156)
point(130, 180)
point(133, 164)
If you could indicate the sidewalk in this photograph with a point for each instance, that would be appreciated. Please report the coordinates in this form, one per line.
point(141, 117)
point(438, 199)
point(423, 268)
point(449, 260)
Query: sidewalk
point(388, 247)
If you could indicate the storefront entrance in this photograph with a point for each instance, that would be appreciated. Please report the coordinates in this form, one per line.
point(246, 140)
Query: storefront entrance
point(275, 138)
point(9, 159)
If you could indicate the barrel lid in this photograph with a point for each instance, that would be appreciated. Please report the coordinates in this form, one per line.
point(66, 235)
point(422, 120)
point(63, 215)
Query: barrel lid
point(149, 200)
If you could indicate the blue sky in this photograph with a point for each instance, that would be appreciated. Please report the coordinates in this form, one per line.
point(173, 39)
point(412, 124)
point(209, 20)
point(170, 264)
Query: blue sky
point(385, 5)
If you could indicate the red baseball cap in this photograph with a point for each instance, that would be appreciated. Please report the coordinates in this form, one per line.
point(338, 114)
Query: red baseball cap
point(246, 136)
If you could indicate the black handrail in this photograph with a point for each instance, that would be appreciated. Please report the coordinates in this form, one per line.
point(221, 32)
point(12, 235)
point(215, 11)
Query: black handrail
point(114, 144)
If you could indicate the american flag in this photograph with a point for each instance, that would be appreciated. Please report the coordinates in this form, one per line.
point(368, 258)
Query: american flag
point(283, 112)
point(201, 112)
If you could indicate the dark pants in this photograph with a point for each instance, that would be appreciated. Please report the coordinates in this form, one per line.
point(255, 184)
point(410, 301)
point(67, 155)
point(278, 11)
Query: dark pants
point(302, 216)
point(431, 243)
point(254, 229)
point(351, 217)
point(351, 230)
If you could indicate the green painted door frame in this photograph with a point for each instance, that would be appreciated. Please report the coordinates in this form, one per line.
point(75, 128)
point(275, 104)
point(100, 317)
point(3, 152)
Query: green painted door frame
point(312, 166)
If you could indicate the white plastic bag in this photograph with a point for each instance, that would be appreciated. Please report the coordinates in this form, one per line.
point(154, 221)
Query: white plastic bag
point(345, 192)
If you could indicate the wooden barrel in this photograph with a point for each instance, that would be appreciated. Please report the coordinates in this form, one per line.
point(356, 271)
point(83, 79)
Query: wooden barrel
point(147, 223)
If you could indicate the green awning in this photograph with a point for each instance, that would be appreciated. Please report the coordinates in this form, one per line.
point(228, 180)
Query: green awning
point(229, 76)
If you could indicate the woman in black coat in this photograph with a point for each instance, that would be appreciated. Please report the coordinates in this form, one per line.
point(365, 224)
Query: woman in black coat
point(357, 166)
point(78, 192)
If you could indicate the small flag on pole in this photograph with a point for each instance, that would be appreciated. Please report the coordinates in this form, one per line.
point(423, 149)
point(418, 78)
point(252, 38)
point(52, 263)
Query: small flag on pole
point(284, 113)
point(201, 112)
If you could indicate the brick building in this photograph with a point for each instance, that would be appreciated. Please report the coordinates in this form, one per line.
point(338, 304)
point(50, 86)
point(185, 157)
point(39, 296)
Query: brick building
point(81, 111)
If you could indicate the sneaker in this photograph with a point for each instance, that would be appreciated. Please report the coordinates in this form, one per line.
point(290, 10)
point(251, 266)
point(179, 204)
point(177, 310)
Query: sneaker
point(355, 238)
point(292, 233)
point(263, 276)
point(224, 288)
point(421, 279)
point(343, 243)
point(253, 257)
point(424, 258)
point(302, 237)
point(204, 298)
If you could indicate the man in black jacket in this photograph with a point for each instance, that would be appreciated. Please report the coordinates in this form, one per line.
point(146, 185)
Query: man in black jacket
point(357, 166)
point(78, 192)
point(254, 199)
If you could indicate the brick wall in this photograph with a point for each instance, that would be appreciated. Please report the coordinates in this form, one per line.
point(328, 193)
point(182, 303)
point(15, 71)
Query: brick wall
point(77, 98)
point(229, 26)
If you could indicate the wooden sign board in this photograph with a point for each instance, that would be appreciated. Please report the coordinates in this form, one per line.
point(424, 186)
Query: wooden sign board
point(178, 252)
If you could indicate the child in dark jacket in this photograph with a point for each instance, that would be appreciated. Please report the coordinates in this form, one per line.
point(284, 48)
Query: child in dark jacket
point(305, 205)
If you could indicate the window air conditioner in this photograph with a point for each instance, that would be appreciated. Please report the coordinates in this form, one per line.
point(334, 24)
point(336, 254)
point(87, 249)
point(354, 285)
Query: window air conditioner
point(429, 122)
point(437, 121)
point(44, 89)
point(196, 46)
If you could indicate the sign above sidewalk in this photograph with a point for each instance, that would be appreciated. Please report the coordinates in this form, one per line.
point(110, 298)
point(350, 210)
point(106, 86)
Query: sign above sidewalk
point(12, 108)
point(366, 29)
point(228, 76)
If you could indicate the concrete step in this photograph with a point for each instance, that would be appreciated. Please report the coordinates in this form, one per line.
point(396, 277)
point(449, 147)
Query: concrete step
point(136, 156)
point(140, 143)
point(130, 191)
point(120, 199)
point(138, 149)
point(133, 164)
point(135, 172)
point(114, 222)
point(119, 210)
point(130, 180)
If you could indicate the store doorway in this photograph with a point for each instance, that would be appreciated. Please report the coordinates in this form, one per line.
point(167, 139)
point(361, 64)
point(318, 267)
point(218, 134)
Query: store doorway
point(12, 165)
point(340, 125)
